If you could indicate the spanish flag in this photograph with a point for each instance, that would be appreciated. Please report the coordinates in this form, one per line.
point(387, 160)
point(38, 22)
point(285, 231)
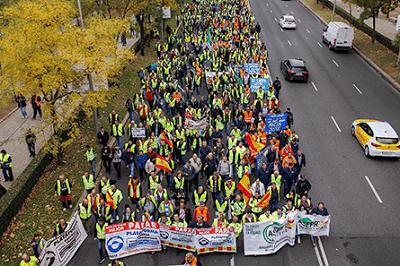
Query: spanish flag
point(110, 200)
point(253, 143)
point(264, 201)
point(244, 187)
point(166, 140)
point(162, 164)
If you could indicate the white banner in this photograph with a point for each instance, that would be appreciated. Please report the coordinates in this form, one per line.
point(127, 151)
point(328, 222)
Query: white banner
point(192, 124)
point(268, 237)
point(215, 240)
point(127, 239)
point(177, 237)
point(315, 225)
point(138, 132)
point(210, 74)
point(60, 249)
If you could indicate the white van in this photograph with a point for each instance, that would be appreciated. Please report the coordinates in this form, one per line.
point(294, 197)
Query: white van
point(338, 36)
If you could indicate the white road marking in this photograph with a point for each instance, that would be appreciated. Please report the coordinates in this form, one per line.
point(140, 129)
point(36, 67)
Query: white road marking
point(337, 65)
point(320, 45)
point(315, 87)
point(308, 31)
point(290, 44)
point(281, 29)
point(355, 86)
point(275, 20)
point(373, 190)
point(291, 12)
point(267, 4)
point(318, 256)
point(336, 124)
point(286, 5)
point(321, 247)
point(299, 20)
point(270, 11)
point(233, 260)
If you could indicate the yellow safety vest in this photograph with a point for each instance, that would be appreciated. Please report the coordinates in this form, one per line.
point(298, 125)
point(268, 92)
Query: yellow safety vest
point(85, 212)
point(88, 183)
point(101, 231)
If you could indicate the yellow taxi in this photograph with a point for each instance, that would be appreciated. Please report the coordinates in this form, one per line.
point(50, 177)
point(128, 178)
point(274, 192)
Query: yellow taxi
point(378, 138)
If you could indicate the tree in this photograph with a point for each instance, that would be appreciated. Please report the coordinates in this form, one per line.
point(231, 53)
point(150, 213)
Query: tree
point(42, 52)
point(371, 9)
point(140, 9)
point(389, 6)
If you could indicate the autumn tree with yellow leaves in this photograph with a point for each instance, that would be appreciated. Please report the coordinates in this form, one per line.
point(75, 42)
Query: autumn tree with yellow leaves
point(44, 52)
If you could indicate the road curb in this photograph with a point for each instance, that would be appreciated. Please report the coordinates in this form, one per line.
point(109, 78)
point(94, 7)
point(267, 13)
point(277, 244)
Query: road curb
point(8, 115)
point(377, 69)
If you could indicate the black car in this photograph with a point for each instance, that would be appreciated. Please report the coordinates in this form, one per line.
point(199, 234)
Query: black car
point(294, 69)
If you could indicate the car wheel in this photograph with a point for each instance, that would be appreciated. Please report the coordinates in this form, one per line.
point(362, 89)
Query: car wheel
point(366, 151)
point(353, 131)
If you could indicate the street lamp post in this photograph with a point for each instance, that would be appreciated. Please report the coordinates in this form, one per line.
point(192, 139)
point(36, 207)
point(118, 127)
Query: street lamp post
point(333, 10)
point(89, 76)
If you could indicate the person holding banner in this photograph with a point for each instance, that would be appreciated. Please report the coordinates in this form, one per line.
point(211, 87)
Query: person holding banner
point(100, 235)
point(28, 260)
point(116, 263)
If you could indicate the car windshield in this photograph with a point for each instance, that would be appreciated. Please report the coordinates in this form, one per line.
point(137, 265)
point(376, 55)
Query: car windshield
point(289, 20)
point(387, 140)
point(301, 68)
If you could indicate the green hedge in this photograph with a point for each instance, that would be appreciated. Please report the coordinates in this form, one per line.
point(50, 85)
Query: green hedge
point(362, 26)
point(20, 189)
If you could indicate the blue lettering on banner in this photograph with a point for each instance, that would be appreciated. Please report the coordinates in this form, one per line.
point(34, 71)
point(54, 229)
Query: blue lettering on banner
point(252, 68)
point(275, 123)
point(256, 83)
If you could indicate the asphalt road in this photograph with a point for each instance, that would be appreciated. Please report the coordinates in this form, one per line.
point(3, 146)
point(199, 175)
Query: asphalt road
point(364, 231)
point(342, 88)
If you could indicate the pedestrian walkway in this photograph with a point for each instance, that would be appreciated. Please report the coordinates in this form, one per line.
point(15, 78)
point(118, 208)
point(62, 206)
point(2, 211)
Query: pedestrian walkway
point(14, 128)
point(383, 25)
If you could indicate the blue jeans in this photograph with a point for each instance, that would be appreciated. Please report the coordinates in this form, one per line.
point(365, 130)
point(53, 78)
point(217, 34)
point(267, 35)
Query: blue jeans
point(132, 169)
point(23, 111)
point(101, 243)
point(93, 167)
point(119, 143)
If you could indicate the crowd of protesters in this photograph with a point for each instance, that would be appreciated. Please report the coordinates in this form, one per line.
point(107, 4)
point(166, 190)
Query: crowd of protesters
point(188, 175)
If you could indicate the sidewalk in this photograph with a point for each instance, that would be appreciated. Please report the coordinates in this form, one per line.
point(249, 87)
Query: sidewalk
point(14, 127)
point(383, 25)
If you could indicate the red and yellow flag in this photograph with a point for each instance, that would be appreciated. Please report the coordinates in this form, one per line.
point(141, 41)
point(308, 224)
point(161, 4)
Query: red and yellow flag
point(264, 201)
point(162, 164)
point(253, 143)
point(110, 200)
point(166, 140)
point(244, 187)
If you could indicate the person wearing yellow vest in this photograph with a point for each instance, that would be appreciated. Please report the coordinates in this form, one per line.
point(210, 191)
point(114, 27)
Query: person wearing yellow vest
point(199, 195)
point(229, 188)
point(176, 221)
point(118, 132)
point(179, 181)
point(60, 227)
point(104, 211)
point(134, 190)
point(28, 260)
point(238, 206)
point(221, 206)
point(128, 215)
point(220, 221)
point(94, 200)
point(253, 203)
point(215, 186)
point(115, 195)
point(90, 155)
point(278, 214)
point(104, 186)
point(100, 235)
point(85, 213)
point(249, 217)
point(266, 216)
point(260, 94)
point(236, 225)
point(63, 191)
point(37, 244)
point(88, 182)
point(148, 204)
point(154, 181)
point(6, 165)
point(164, 219)
point(166, 207)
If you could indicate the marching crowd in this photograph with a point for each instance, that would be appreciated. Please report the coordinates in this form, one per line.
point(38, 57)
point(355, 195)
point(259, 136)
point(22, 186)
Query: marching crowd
point(192, 174)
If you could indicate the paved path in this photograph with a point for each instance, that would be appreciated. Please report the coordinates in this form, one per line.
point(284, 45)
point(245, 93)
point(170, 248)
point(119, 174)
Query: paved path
point(383, 25)
point(13, 130)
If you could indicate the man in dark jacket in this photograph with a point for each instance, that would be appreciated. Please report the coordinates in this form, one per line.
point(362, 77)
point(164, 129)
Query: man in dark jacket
point(290, 176)
point(103, 137)
point(303, 186)
point(301, 160)
point(263, 175)
point(204, 151)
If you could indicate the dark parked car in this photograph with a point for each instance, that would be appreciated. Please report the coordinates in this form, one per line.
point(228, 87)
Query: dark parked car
point(294, 69)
